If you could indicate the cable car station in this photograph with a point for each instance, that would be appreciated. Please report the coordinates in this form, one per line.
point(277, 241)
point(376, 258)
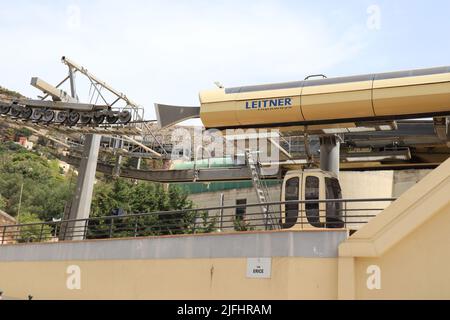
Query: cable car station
point(361, 179)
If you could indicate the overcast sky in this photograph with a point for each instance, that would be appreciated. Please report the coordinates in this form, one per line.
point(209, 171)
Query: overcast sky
point(167, 51)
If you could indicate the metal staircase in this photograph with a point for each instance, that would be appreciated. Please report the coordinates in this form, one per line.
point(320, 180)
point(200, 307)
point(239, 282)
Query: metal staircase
point(262, 193)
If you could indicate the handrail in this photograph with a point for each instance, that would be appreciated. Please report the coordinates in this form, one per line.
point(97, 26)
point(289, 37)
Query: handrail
point(188, 221)
point(210, 209)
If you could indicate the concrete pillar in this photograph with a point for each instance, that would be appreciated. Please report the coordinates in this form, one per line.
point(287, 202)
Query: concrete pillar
point(80, 207)
point(81, 203)
point(118, 144)
point(329, 154)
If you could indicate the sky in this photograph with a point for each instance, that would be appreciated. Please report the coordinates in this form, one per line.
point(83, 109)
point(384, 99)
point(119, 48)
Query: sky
point(167, 51)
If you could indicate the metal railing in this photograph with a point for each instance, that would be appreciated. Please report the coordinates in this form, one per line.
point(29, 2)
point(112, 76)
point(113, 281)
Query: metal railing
point(342, 213)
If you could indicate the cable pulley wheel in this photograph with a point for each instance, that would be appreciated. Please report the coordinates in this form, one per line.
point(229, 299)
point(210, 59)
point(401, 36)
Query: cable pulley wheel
point(112, 118)
point(85, 118)
point(61, 116)
point(98, 118)
point(124, 117)
point(37, 114)
point(26, 112)
point(16, 110)
point(73, 118)
point(4, 108)
point(48, 115)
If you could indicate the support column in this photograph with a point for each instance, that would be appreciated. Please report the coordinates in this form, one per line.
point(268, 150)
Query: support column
point(118, 144)
point(73, 88)
point(329, 154)
point(81, 203)
point(80, 207)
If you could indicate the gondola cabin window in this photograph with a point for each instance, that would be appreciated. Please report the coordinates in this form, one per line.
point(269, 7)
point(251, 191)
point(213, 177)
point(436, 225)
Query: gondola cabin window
point(312, 208)
point(291, 194)
point(334, 209)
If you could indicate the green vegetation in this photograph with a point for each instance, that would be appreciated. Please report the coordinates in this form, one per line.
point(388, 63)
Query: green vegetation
point(33, 232)
point(140, 197)
point(241, 225)
point(33, 181)
point(33, 188)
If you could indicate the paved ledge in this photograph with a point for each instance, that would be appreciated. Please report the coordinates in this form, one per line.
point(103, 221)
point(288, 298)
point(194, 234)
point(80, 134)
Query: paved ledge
point(309, 244)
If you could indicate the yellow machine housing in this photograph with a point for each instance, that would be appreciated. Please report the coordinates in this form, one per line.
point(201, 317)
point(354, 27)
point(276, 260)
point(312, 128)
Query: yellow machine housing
point(310, 185)
point(414, 93)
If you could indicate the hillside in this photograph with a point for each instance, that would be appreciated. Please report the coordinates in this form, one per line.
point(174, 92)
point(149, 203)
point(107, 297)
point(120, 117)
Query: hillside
point(8, 95)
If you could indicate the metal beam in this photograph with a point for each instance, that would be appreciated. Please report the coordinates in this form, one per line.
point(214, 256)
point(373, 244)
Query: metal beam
point(277, 145)
point(238, 173)
point(120, 96)
point(143, 146)
point(167, 176)
point(55, 93)
point(61, 105)
point(48, 136)
point(71, 64)
point(39, 133)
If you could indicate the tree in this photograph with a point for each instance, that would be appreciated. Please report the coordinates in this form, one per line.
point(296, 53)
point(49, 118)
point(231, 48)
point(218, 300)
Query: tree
point(45, 190)
point(3, 202)
point(33, 230)
point(23, 132)
point(135, 199)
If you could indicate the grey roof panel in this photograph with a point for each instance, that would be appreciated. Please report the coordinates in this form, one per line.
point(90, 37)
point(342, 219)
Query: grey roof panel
point(263, 87)
point(411, 73)
point(365, 77)
point(320, 82)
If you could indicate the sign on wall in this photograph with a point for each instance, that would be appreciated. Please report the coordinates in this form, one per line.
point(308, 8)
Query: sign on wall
point(259, 268)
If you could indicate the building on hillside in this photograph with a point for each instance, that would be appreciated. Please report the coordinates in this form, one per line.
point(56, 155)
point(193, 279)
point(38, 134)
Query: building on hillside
point(23, 141)
point(64, 166)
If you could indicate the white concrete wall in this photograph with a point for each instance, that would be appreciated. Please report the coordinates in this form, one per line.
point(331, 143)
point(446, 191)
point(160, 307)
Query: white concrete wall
point(364, 185)
point(253, 215)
